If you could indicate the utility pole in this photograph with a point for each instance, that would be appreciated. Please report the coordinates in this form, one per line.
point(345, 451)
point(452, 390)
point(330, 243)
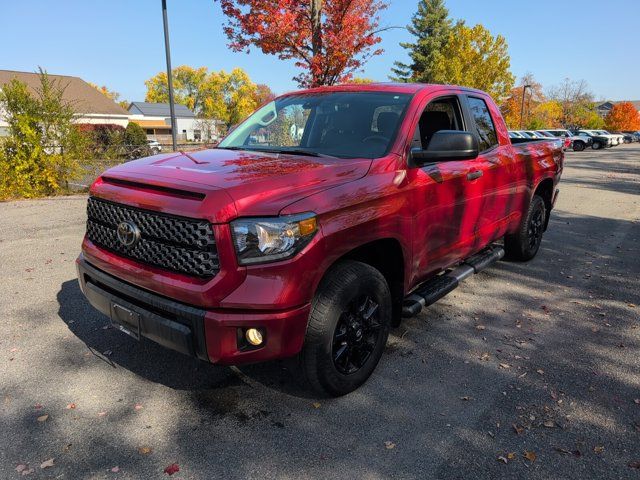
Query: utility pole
point(524, 91)
point(167, 49)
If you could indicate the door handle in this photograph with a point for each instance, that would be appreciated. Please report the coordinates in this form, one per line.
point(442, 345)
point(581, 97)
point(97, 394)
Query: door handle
point(473, 175)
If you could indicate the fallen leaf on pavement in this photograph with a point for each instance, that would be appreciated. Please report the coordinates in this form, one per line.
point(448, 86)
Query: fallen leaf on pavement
point(518, 429)
point(47, 463)
point(43, 418)
point(389, 445)
point(137, 406)
point(316, 405)
point(636, 401)
point(26, 471)
point(505, 365)
point(632, 305)
point(549, 424)
point(466, 399)
point(575, 453)
point(20, 468)
point(102, 414)
point(480, 327)
point(531, 456)
point(511, 455)
point(598, 449)
point(115, 469)
point(635, 464)
point(540, 371)
point(144, 450)
point(485, 356)
point(503, 459)
point(171, 469)
point(71, 406)
point(37, 406)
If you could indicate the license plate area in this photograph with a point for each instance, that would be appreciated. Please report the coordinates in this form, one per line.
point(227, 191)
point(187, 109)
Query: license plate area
point(125, 320)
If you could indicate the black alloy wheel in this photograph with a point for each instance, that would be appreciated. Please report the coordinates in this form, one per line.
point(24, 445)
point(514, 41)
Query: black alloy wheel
point(535, 229)
point(356, 335)
point(348, 328)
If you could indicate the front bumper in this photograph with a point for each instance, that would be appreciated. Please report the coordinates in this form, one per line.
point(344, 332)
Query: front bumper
point(211, 335)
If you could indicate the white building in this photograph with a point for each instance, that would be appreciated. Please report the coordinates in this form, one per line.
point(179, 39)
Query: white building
point(90, 105)
point(155, 119)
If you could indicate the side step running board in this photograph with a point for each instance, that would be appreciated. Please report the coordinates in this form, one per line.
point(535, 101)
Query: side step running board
point(433, 290)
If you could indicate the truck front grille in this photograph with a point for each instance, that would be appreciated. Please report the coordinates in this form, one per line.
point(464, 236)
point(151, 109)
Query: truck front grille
point(174, 243)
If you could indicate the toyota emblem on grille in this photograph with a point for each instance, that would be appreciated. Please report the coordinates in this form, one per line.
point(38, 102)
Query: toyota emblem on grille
point(128, 233)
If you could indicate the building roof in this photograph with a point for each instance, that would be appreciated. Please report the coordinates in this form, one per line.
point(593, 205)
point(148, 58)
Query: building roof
point(84, 98)
point(159, 110)
point(608, 104)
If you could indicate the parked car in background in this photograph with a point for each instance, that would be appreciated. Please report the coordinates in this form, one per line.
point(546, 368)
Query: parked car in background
point(534, 134)
point(598, 141)
point(634, 134)
point(615, 139)
point(273, 245)
point(154, 147)
point(515, 134)
point(627, 137)
point(566, 143)
point(577, 143)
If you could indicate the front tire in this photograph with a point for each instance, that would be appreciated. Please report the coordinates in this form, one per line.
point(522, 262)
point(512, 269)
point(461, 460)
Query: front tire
point(348, 328)
point(578, 146)
point(596, 146)
point(525, 243)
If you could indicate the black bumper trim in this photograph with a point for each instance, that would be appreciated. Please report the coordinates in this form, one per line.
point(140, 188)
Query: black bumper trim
point(172, 324)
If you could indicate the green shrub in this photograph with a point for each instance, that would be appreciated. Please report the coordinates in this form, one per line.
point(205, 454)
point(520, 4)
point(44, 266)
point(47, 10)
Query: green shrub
point(43, 149)
point(134, 135)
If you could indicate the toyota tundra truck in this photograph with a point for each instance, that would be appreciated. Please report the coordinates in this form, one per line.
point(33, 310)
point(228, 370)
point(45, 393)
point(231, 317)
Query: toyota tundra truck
point(315, 226)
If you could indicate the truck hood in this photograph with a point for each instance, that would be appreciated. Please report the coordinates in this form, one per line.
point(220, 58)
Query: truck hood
point(258, 183)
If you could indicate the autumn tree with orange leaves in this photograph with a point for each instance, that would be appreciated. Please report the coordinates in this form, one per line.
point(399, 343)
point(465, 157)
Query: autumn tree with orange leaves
point(623, 117)
point(328, 39)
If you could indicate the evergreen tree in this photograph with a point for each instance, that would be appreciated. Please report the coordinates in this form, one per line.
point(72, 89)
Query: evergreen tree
point(431, 26)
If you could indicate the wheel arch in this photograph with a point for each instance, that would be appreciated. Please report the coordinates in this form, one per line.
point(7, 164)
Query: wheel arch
point(545, 191)
point(387, 256)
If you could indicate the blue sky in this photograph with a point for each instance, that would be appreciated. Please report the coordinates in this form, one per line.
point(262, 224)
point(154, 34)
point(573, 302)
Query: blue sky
point(120, 43)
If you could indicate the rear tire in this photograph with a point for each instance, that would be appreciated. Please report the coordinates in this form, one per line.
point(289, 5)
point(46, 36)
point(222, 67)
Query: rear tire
point(348, 328)
point(578, 146)
point(525, 243)
point(596, 146)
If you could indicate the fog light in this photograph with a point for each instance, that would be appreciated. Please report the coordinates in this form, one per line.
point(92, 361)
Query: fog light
point(253, 336)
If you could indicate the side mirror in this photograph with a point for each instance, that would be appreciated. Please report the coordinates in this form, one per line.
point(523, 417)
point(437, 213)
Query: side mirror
point(447, 145)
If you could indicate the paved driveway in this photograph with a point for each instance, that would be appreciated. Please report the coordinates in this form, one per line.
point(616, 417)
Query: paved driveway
point(541, 357)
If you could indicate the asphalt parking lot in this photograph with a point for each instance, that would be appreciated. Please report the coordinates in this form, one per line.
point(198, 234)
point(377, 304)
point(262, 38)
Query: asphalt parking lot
point(526, 371)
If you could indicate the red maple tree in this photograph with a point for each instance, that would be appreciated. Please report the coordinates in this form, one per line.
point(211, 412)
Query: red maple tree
point(328, 39)
point(623, 117)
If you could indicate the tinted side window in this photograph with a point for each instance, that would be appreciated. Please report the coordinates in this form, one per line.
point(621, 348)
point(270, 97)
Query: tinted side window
point(440, 114)
point(486, 129)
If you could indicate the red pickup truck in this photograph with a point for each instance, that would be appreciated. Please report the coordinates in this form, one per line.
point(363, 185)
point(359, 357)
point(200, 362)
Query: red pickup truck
point(315, 226)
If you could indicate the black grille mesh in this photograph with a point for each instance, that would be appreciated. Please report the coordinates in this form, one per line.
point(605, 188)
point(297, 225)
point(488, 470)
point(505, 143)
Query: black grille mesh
point(180, 244)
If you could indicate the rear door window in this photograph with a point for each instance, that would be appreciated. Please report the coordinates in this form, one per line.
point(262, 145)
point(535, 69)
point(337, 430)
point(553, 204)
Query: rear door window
point(487, 136)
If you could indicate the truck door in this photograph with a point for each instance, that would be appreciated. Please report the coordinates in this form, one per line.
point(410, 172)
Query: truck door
point(498, 190)
point(446, 196)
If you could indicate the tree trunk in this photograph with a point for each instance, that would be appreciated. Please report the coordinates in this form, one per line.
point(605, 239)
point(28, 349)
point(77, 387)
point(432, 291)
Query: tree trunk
point(316, 39)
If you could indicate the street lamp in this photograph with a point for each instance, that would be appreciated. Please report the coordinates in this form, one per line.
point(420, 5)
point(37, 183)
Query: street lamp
point(169, 79)
point(524, 91)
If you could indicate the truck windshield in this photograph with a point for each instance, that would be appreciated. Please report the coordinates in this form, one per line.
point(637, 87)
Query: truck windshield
point(336, 124)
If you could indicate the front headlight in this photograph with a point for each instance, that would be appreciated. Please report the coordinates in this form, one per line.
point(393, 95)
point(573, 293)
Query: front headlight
point(260, 240)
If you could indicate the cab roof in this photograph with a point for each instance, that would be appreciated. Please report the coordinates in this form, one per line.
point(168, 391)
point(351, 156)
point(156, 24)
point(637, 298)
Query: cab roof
point(391, 87)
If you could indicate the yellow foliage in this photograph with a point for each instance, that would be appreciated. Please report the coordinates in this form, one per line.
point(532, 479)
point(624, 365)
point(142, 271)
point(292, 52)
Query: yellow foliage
point(472, 57)
point(229, 97)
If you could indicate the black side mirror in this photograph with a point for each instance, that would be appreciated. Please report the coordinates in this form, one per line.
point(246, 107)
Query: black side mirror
point(447, 145)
